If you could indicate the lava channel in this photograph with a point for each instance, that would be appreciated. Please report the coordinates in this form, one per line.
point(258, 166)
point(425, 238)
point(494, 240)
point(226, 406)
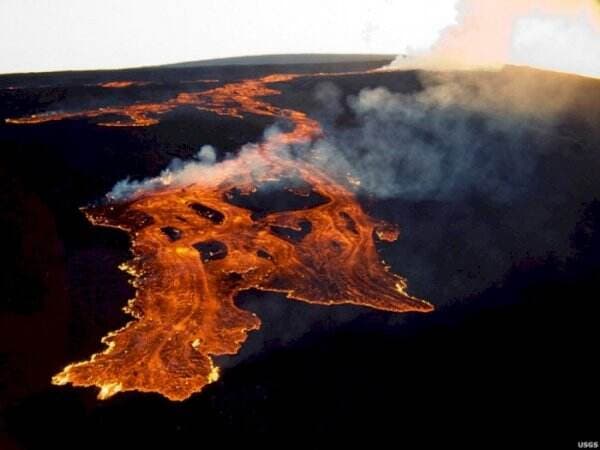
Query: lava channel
point(197, 246)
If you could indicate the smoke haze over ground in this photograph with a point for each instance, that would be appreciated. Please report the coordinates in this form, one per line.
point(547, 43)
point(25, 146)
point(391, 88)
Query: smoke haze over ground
point(460, 134)
point(457, 135)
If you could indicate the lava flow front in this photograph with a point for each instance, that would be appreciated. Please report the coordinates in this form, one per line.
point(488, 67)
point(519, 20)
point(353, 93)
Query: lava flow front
point(197, 245)
point(121, 84)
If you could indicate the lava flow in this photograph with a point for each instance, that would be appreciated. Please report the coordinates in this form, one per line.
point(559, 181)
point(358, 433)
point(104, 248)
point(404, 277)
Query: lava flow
point(121, 84)
point(197, 245)
point(229, 100)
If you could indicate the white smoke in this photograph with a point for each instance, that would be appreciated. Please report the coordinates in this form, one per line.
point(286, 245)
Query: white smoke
point(460, 133)
point(562, 35)
point(178, 173)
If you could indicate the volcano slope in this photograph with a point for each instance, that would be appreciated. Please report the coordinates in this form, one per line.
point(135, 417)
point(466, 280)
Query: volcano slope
point(503, 250)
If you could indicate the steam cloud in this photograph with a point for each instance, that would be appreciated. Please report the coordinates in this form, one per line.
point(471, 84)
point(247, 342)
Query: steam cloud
point(562, 35)
point(460, 134)
point(457, 136)
point(178, 172)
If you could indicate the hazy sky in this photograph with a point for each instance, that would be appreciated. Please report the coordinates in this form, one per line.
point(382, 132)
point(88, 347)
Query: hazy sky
point(44, 35)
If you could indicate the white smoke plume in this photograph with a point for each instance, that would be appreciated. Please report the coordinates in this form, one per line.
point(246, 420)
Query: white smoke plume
point(561, 35)
point(177, 173)
point(460, 133)
point(434, 144)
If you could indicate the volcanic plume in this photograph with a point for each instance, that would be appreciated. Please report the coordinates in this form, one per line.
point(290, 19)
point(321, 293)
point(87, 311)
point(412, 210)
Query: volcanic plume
point(260, 220)
point(559, 35)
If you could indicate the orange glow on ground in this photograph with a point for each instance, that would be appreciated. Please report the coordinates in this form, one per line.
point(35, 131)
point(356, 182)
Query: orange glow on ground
point(121, 84)
point(195, 250)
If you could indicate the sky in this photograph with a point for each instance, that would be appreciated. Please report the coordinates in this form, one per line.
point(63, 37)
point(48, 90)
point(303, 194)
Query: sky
point(559, 35)
point(49, 35)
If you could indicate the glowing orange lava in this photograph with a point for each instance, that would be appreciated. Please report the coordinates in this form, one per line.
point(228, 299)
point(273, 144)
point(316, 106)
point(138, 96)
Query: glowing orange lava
point(196, 247)
point(121, 84)
point(229, 100)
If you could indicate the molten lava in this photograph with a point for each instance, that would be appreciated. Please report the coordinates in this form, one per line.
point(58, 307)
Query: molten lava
point(229, 100)
point(121, 84)
point(197, 246)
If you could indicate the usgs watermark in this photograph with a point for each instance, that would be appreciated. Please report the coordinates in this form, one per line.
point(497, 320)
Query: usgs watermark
point(588, 444)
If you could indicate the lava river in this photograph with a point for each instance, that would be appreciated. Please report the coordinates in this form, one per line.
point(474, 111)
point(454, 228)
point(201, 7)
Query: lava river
point(197, 245)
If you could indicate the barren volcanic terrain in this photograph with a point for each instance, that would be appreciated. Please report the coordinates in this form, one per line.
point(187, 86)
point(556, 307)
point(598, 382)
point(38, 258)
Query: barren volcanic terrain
point(204, 200)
